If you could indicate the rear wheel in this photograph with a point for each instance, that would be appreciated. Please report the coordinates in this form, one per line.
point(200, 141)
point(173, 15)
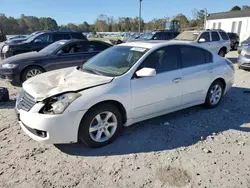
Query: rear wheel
point(222, 52)
point(100, 126)
point(214, 94)
point(236, 45)
point(31, 72)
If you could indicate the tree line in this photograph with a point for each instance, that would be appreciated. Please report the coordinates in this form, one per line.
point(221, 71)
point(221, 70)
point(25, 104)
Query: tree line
point(103, 23)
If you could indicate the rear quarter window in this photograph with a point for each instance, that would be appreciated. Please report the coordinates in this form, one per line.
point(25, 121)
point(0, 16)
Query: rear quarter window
point(78, 36)
point(224, 36)
point(208, 56)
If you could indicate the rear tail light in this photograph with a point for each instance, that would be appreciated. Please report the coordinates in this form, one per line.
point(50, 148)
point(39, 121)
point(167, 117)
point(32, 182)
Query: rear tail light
point(230, 64)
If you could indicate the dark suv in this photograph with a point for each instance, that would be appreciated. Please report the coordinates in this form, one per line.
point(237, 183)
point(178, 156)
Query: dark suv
point(161, 35)
point(235, 40)
point(38, 42)
point(155, 35)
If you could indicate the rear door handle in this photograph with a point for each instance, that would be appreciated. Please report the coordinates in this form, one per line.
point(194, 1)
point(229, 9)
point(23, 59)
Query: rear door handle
point(211, 70)
point(176, 80)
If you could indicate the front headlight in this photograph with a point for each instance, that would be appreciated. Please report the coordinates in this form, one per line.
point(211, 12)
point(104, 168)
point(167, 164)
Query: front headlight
point(5, 49)
point(57, 105)
point(9, 66)
point(243, 52)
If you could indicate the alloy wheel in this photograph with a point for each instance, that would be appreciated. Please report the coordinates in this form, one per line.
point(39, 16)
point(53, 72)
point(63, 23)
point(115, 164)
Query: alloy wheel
point(103, 126)
point(32, 73)
point(215, 94)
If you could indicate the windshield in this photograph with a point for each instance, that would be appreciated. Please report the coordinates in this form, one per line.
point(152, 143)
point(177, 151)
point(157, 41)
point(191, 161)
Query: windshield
point(148, 36)
point(32, 37)
point(114, 61)
point(187, 36)
point(52, 48)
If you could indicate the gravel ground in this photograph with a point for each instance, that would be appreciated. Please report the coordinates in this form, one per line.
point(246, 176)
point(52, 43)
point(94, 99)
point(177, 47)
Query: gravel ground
point(199, 148)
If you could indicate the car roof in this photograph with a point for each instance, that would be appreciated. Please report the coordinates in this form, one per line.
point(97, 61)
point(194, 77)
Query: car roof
point(58, 31)
point(154, 43)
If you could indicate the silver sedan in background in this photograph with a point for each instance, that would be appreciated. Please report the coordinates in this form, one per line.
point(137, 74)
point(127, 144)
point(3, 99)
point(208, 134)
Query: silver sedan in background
point(244, 59)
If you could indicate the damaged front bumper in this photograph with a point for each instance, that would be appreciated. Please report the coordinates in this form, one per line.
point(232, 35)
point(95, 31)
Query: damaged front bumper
point(50, 129)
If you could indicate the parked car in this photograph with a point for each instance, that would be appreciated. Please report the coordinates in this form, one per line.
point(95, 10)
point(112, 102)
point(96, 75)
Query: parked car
point(244, 45)
point(244, 59)
point(38, 42)
point(215, 40)
point(17, 37)
point(61, 54)
point(18, 40)
point(155, 35)
point(235, 40)
point(122, 85)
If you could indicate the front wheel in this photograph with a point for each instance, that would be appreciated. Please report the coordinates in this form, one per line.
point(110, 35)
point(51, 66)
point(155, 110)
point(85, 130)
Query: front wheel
point(31, 72)
point(214, 94)
point(100, 126)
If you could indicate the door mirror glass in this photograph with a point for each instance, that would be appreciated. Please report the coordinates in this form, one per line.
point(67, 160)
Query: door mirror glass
point(60, 52)
point(37, 41)
point(146, 72)
point(202, 40)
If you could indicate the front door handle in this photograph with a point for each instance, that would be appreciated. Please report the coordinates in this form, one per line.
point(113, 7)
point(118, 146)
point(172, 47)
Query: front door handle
point(176, 80)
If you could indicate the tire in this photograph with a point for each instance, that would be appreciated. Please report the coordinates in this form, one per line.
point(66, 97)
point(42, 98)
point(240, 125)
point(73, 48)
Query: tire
point(222, 52)
point(91, 129)
point(26, 72)
point(236, 45)
point(208, 103)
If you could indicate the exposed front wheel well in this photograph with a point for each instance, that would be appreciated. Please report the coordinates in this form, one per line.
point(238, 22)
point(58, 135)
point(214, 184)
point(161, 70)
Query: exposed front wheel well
point(117, 104)
point(222, 81)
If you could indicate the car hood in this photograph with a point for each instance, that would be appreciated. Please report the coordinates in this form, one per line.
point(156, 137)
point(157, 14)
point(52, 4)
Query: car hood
point(14, 41)
point(61, 81)
point(182, 41)
point(23, 57)
point(246, 42)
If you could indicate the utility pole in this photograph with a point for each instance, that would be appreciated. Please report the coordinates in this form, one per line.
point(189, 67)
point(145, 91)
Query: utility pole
point(139, 16)
point(205, 18)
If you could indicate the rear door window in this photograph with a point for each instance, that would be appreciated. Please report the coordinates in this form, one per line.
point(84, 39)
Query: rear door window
point(97, 46)
point(60, 36)
point(215, 36)
point(192, 56)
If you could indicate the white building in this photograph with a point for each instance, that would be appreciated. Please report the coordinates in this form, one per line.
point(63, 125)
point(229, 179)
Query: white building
point(234, 21)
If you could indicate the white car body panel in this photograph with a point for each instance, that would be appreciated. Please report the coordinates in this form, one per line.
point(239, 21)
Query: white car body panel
point(141, 98)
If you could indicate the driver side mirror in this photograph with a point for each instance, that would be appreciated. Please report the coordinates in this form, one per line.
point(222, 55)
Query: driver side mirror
point(37, 41)
point(201, 40)
point(146, 72)
point(60, 52)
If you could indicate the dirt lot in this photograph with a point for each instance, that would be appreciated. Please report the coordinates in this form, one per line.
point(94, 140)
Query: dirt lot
point(199, 148)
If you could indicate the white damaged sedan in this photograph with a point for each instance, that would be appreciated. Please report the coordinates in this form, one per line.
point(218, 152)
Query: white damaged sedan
point(122, 85)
